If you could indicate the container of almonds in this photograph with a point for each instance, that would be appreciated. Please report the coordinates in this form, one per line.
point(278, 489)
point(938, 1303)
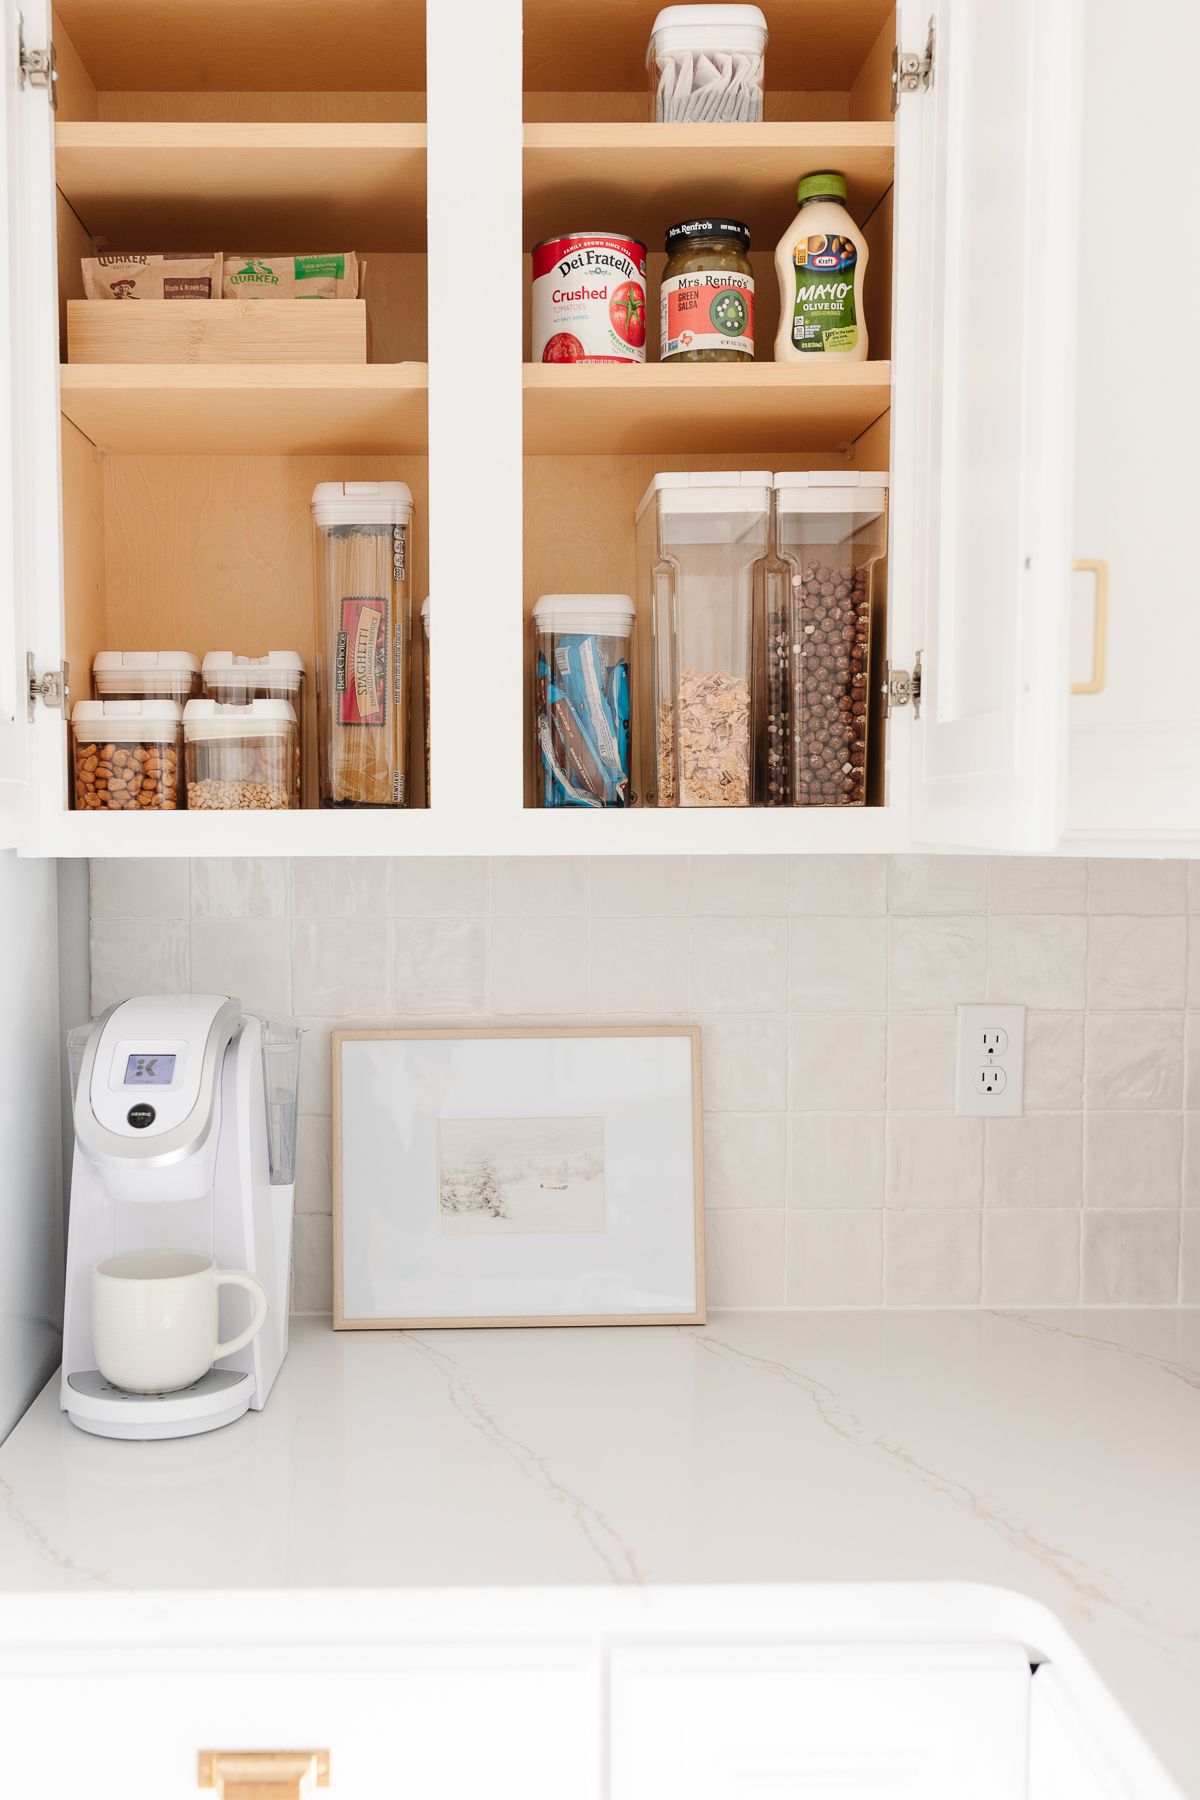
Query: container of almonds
point(126, 755)
point(241, 757)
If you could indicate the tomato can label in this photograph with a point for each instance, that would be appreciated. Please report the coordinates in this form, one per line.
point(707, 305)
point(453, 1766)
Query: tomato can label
point(707, 312)
point(589, 299)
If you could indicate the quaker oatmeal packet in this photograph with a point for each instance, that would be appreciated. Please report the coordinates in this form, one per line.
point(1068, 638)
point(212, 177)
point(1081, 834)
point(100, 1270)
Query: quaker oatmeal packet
point(174, 275)
point(329, 277)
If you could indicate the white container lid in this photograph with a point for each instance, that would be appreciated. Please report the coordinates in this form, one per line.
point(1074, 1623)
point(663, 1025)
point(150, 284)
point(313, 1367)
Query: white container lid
point(278, 668)
point(608, 615)
point(859, 491)
point(708, 28)
point(206, 719)
point(140, 670)
point(362, 503)
point(126, 721)
point(709, 491)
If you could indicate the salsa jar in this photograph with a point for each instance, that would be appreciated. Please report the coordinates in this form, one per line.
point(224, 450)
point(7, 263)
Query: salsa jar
point(589, 298)
point(706, 301)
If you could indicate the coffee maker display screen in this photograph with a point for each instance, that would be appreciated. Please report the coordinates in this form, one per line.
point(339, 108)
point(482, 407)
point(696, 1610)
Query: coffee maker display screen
point(150, 1070)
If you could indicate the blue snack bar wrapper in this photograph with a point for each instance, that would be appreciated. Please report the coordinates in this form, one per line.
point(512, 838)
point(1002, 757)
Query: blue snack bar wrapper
point(583, 725)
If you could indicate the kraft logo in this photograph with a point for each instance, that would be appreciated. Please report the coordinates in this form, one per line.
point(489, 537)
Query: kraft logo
point(825, 262)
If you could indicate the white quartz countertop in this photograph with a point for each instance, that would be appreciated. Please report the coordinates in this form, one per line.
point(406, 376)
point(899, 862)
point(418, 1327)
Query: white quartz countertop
point(1055, 1456)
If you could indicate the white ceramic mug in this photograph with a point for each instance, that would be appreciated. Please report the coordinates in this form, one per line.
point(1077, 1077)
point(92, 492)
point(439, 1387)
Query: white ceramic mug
point(154, 1318)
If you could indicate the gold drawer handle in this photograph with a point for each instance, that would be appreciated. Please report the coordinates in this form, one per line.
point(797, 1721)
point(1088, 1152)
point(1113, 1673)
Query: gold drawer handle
point(263, 1774)
point(1099, 572)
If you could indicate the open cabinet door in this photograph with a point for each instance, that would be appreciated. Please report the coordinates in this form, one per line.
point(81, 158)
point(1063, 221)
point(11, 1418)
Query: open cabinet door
point(30, 528)
point(986, 159)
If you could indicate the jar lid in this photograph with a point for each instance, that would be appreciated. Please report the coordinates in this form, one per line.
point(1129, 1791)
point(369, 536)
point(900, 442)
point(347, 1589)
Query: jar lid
point(608, 615)
point(709, 27)
point(278, 668)
point(362, 503)
point(708, 491)
point(204, 719)
point(826, 184)
point(690, 229)
point(141, 670)
point(126, 721)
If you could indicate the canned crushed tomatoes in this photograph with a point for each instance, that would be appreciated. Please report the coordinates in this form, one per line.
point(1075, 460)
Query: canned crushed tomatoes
point(589, 298)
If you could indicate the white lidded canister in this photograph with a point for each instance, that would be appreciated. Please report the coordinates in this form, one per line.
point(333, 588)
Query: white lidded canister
point(707, 65)
point(582, 698)
point(241, 756)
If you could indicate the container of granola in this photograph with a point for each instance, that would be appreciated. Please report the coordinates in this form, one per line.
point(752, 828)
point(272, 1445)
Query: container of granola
point(241, 756)
point(702, 540)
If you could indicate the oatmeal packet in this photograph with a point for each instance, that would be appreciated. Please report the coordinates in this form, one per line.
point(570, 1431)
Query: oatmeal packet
point(332, 277)
point(175, 275)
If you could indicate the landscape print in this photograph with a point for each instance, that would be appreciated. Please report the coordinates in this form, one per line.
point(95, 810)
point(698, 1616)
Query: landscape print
point(507, 1177)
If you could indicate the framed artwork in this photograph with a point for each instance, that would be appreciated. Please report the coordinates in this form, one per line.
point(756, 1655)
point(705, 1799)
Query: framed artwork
point(520, 1177)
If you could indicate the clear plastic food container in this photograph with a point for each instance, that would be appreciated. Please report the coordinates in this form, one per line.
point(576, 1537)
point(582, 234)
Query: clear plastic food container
point(241, 756)
point(581, 698)
point(425, 686)
point(706, 65)
point(279, 675)
point(830, 539)
point(281, 1078)
point(702, 539)
point(146, 675)
point(126, 755)
point(364, 629)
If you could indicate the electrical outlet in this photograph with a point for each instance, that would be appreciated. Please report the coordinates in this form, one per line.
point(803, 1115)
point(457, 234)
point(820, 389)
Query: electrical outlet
point(989, 1063)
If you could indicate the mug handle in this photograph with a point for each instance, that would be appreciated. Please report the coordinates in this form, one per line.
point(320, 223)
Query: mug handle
point(239, 1278)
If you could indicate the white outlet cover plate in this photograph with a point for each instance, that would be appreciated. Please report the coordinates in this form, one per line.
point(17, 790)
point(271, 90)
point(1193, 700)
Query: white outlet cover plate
point(970, 1056)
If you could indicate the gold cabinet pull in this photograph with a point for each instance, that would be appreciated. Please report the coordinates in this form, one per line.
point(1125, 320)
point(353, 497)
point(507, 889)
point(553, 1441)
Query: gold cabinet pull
point(1099, 573)
point(263, 1774)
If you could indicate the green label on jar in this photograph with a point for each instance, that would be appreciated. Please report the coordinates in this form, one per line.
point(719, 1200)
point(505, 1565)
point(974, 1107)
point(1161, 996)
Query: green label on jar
point(823, 312)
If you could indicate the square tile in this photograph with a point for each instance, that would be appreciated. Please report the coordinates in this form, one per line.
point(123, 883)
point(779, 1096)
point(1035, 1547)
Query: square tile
point(1135, 1062)
point(836, 1062)
point(934, 1160)
point(745, 1160)
point(434, 887)
point(931, 1258)
point(340, 968)
point(838, 965)
point(312, 1263)
point(139, 887)
point(1031, 1258)
point(1137, 964)
point(745, 1062)
point(745, 1259)
point(439, 968)
point(920, 1062)
point(739, 884)
point(1038, 961)
point(622, 887)
point(540, 886)
point(836, 1160)
point(240, 887)
point(137, 956)
point(936, 964)
point(1054, 1061)
point(739, 964)
point(246, 957)
point(640, 966)
point(1038, 884)
point(339, 887)
point(314, 1167)
point(539, 966)
point(1132, 1159)
point(1034, 1161)
point(834, 1258)
point(937, 884)
point(837, 886)
point(1136, 885)
point(1130, 1258)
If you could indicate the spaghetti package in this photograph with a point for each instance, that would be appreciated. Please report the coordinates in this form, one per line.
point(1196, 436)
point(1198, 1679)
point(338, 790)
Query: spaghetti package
point(329, 277)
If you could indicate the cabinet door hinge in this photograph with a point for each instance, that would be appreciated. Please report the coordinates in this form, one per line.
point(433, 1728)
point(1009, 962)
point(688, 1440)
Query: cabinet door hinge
point(37, 67)
point(52, 688)
point(911, 73)
point(902, 687)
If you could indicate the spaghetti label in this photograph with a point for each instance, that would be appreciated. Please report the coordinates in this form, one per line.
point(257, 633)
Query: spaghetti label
point(360, 675)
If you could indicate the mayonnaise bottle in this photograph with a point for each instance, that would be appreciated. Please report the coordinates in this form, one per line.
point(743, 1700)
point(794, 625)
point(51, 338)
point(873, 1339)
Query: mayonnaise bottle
point(821, 262)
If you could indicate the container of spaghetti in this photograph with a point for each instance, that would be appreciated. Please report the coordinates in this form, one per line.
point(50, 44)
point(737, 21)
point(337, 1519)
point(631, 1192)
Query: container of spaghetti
point(364, 633)
point(581, 698)
point(589, 298)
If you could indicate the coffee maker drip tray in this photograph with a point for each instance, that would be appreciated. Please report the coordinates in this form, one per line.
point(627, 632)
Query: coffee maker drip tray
point(218, 1398)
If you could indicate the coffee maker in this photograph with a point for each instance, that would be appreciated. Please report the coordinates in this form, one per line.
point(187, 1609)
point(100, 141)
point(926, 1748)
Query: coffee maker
point(185, 1112)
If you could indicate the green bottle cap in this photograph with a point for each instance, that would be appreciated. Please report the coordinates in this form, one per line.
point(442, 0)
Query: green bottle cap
point(826, 185)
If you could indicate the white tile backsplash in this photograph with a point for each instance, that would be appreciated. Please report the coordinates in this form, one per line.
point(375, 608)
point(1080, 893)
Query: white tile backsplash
point(825, 989)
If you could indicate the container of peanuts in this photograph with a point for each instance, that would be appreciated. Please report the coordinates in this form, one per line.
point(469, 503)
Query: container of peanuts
point(126, 755)
point(239, 757)
point(146, 675)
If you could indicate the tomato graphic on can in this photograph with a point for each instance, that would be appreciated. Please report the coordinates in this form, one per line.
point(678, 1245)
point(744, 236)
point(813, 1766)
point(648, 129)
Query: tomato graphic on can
point(589, 298)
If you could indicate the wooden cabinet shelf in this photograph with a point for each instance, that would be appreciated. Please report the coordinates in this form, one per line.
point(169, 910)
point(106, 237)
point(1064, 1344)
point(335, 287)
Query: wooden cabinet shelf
point(600, 409)
point(281, 408)
point(252, 187)
point(643, 178)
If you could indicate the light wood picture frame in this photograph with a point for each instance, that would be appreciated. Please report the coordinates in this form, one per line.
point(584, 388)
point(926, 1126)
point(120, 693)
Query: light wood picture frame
point(417, 1194)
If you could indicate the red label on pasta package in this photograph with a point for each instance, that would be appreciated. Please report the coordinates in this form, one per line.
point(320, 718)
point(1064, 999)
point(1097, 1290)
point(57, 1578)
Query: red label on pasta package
point(706, 312)
point(360, 676)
